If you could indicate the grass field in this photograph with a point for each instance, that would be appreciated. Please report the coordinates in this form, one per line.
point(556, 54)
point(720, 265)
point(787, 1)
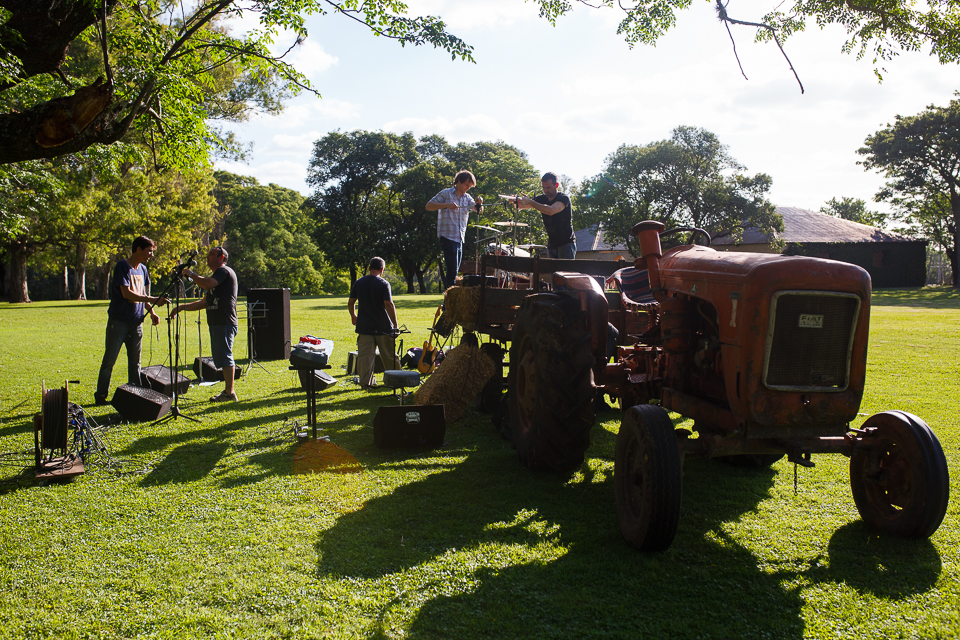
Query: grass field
point(229, 528)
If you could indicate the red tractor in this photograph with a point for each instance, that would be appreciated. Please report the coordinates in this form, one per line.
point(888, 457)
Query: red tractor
point(766, 353)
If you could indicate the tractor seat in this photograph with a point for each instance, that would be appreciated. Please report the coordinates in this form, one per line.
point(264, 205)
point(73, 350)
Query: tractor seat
point(400, 380)
point(634, 287)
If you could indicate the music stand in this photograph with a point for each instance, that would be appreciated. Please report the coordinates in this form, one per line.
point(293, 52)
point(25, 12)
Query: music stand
point(255, 310)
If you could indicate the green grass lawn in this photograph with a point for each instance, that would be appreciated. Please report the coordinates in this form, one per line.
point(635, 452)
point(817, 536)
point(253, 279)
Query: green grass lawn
point(213, 529)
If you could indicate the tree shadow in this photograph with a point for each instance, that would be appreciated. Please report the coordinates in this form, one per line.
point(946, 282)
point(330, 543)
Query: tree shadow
point(943, 297)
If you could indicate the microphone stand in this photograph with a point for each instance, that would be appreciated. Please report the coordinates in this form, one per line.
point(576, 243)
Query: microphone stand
point(176, 281)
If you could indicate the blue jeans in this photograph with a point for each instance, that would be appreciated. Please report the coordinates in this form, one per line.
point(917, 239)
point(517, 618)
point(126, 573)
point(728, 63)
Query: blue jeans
point(120, 334)
point(221, 344)
point(452, 255)
point(564, 252)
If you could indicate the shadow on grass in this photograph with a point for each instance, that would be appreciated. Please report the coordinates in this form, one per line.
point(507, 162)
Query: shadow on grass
point(597, 586)
point(926, 297)
point(885, 567)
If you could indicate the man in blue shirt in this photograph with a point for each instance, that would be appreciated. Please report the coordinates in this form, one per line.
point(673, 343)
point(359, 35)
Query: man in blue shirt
point(129, 291)
point(375, 322)
point(453, 211)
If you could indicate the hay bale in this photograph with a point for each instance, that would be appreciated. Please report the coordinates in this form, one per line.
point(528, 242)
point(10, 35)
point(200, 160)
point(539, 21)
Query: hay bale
point(461, 305)
point(457, 381)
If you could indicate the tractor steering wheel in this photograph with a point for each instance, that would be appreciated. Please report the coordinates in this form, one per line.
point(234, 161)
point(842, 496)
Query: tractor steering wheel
point(693, 235)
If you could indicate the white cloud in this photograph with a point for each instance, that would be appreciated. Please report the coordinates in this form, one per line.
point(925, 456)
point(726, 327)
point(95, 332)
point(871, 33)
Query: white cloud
point(470, 128)
point(299, 145)
point(310, 59)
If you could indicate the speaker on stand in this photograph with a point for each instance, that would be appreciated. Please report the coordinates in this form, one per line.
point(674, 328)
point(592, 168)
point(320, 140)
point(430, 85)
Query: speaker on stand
point(268, 324)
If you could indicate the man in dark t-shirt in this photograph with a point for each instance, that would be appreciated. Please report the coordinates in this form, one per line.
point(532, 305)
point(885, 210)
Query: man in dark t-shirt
point(375, 323)
point(557, 217)
point(129, 291)
point(220, 301)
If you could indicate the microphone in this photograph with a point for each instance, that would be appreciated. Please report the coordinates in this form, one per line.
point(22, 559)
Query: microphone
point(191, 262)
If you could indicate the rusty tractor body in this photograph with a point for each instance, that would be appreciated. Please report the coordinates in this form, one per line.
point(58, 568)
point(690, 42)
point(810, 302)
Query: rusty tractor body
point(766, 353)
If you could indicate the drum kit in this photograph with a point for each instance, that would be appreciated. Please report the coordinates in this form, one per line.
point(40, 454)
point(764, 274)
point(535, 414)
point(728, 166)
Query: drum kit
point(502, 238)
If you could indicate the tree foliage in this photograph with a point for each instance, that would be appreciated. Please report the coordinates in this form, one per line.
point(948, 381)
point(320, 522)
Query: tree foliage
point(854, 209)
point(689, 180)
point(269, 235)
point(165, 67)
point(920, 156)
point(878, 28)
point(371, 188)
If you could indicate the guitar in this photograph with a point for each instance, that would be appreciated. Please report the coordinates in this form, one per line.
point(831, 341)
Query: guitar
point(428, 359)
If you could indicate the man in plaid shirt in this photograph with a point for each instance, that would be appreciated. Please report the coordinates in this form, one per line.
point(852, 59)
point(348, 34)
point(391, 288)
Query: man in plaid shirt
point(453, 211)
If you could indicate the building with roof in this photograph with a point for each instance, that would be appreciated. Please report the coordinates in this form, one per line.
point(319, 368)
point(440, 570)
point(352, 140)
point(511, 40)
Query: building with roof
point(891, 259)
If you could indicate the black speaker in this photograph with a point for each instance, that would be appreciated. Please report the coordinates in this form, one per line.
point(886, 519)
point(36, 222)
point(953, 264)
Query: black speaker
point(158, 377)
point(268, 323)
point(205, 370)
point(210, 371)
point(140, 404)
point(323, 380)
point(412, 426)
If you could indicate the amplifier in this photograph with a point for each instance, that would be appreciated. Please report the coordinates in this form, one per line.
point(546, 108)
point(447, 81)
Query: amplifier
point(411, 426)
point(352, 363)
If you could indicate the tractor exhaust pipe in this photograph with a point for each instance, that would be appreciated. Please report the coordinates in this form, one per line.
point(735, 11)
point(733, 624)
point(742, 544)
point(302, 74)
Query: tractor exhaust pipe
point(648, 234)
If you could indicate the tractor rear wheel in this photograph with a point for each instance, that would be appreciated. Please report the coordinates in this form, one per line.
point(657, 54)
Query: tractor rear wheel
point(647, 478)
point(551, 388)
point(901, 486)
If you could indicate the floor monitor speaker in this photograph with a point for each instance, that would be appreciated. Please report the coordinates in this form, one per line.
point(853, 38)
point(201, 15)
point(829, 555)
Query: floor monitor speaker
point(158, 377)
point(323, 379)
point(140, 404)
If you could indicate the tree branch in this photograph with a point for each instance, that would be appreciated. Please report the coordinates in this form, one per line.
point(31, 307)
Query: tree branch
point(726, 19)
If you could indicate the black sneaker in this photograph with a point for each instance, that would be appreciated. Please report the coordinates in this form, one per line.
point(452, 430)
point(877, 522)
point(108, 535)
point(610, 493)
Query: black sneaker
point(100, 400)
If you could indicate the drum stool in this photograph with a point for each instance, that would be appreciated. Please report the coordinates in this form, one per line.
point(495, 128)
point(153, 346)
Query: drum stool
point(397, 379)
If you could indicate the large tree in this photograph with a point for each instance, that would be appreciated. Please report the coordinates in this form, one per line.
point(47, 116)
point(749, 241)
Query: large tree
point(268, 234)
point(688, 180)
point(920, 156)
point(371, 189)
point(157, 61)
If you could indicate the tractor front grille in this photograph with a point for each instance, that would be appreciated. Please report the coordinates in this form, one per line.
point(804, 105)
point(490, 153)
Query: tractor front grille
point(810, 340)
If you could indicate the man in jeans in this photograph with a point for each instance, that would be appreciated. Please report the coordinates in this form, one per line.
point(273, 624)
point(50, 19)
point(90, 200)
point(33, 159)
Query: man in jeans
point(220, 302)
point(557, 217)
point(129, 293)
point(453, 211)
point(375, 323)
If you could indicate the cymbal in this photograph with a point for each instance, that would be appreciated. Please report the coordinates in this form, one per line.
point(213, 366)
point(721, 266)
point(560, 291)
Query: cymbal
point(531, 247)
point(511, 223)
point(480, 226)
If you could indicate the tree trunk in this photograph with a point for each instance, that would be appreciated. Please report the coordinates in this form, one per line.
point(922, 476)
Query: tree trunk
point(353, 274)
point(18, 273)
point(80, 284)
point(440, 275)
point(420, 282)
point(65, 283)
point(103, 281)
point(955, 254)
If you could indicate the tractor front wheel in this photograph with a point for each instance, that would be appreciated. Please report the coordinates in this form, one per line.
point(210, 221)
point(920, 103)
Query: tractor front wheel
point(551, 388)
point(647, 478)
point(900, 482)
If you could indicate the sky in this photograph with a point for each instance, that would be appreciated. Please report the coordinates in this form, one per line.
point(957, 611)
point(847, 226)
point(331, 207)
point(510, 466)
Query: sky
point(570, 95)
